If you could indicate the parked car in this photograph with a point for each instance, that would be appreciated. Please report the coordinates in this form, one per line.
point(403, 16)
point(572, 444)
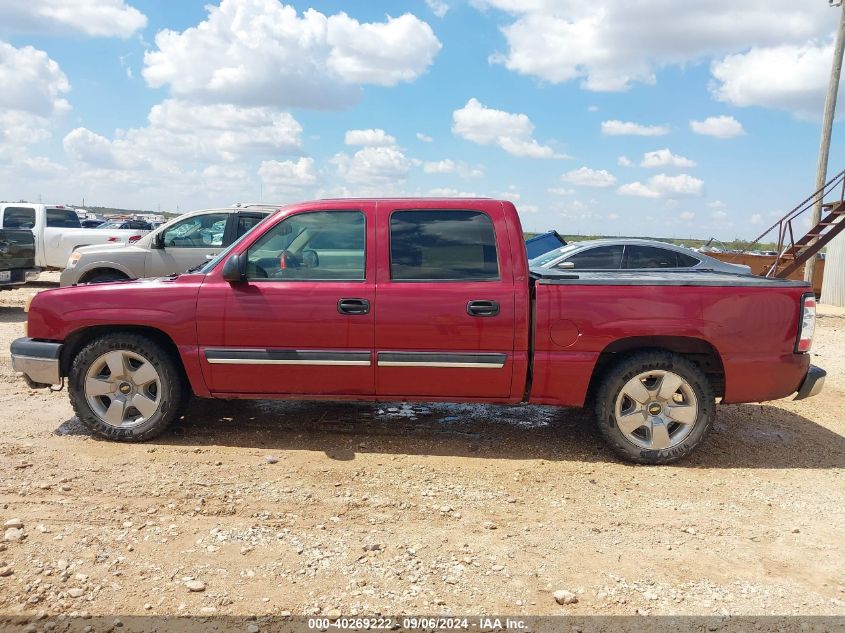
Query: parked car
point(58, 231)
point(421, 299)
point(91, 223)
point(631, 254)
point(142, 225)
point(183, 243)
point(17, 257)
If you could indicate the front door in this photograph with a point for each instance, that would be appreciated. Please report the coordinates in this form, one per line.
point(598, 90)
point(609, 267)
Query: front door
point(445, 319)
point(302, 321)
point(187, 243)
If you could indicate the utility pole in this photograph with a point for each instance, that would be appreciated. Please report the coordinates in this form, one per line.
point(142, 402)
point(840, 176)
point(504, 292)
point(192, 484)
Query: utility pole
point(827, 126)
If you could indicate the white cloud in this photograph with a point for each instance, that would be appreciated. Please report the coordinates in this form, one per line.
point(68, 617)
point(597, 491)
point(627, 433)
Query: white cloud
point(756, 218)
point(32, 82)
point(718, 126)
point(608, 45)
point(624, 161)
point(788, 77)
point(447, 166)
point(289, 176)
point(561, 191)
point(718, 215)
point(512, 132)
point(438, 7)
point(663, 186)
point(107, 18)
point(369, 138)
point(425, 138)
point(628, 128)
point(260, 52)
point(586, 177)
point(686, 215)
point(665, 158)
point(373, 166)
point(716, 204)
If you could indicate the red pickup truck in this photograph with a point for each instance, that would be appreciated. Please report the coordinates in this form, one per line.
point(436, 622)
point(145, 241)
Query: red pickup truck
point(422, 299)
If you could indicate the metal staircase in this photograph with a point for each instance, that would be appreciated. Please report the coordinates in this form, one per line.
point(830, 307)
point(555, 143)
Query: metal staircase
point(792, 254)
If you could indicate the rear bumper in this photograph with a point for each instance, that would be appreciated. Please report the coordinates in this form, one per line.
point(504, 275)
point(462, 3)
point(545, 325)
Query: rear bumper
point(20, 276)
point(812, 383)
point(38, 361)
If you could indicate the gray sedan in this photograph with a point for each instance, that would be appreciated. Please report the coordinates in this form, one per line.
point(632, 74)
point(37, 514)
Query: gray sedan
point(631, 254)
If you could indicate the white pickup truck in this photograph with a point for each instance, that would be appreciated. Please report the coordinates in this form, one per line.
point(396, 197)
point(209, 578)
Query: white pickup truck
point(58, 232)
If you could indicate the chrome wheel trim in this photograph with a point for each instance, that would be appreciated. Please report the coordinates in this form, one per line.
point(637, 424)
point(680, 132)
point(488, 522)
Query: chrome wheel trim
point(656, 410)
point(123, 389)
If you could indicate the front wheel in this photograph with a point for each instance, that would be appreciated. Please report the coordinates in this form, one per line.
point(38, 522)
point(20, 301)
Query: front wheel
point(654, 407)
point(126, 387)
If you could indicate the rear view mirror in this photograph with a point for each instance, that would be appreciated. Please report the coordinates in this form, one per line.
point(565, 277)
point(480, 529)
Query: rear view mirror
point(233, 269)
point(566, 265)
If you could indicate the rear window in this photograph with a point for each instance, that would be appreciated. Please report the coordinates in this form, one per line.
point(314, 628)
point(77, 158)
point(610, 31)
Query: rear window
point(442, 246)
point(62, 218)
point(598, 258)
point(650, 257)
point(686, 261)
point(19, 218)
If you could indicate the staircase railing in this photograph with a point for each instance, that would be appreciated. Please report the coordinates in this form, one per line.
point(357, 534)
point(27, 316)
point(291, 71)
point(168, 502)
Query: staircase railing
point(786, 234)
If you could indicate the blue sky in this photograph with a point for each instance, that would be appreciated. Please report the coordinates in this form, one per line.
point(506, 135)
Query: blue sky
point(661, 119)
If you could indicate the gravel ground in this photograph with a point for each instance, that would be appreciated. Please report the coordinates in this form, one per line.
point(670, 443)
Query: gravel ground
point(321, 508)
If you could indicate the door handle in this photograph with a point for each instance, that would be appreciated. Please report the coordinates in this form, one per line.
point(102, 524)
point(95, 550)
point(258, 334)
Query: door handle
point(483, 308)
point(353, 306)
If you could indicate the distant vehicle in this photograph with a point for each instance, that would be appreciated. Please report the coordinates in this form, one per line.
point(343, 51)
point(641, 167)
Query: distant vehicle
point(58, 231)
point(543, 243)
point(187, 241)
point(91, 224)
point(138, 225)
point(631, 254)
point(17, 257)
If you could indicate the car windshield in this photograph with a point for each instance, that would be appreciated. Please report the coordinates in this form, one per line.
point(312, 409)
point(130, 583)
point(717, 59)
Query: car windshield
point(545, 258)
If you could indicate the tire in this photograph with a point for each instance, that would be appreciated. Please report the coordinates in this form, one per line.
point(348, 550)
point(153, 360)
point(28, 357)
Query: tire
point(126, 387)
point(102, 278)
point(674, 423)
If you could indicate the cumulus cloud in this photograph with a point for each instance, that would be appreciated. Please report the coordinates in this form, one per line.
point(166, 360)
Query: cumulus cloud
point(487, 126)
point(373, 166)
point(425, 138)
point(586, 177)
point(665, 158)
point(449, 166)
point(686, 215)
point(624, 161)
point(718, 126)
point(371, 138)
point(438, 7)
point(106, 18)
point(288, 176)
point(628, 128)
point(609, 45)
point(261, 52)
point(663, 186)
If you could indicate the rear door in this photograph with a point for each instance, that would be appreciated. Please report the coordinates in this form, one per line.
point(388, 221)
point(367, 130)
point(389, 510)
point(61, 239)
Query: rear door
point(445, 319)
point(188, 243)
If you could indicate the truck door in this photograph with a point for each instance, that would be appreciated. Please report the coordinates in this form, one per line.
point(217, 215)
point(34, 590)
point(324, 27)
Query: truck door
point(445, 318)
point(301, 323)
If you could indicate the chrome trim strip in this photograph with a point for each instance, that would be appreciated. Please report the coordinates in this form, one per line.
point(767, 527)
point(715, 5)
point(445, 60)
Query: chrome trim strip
point(257, 356)
point(271, 361)
point(442, 359)
point(387, 363)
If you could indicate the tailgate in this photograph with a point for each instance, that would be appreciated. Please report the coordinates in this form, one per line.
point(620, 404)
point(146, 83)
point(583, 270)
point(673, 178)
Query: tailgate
point(17, 249)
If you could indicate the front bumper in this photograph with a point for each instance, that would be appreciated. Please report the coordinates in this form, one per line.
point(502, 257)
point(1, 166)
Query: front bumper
point(38, 361)
point(812, 383)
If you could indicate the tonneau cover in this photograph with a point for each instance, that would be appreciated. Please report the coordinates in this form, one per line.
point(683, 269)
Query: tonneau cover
point(656, 278)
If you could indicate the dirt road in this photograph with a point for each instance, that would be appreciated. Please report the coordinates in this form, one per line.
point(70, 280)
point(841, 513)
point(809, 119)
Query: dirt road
point(267, 508)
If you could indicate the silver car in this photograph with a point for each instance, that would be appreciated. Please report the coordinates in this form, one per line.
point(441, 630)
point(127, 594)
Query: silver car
point(185, 242)
point(631, 254)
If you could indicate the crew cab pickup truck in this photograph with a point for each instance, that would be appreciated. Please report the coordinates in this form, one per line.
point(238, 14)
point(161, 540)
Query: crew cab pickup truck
point(58, 231)
point(422, 299)
point(17, 257)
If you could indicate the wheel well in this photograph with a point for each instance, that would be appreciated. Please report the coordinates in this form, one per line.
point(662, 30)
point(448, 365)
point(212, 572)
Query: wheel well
point(102, 271)
point(697, 350)
point(79, 339)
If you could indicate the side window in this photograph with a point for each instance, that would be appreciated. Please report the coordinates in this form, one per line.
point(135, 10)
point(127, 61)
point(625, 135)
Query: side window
point(686, 261)
point(199, 231)
point(599, 258)
point(18, 218)
point(312, 246)
point(651, 257)
point(442, 246)
point(246, 222)
point(62, 219)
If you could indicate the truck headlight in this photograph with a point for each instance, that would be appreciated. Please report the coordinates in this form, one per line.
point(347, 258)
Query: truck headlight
point(75, 256)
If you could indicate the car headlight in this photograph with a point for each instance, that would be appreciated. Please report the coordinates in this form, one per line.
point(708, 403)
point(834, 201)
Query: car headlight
point(75, 256)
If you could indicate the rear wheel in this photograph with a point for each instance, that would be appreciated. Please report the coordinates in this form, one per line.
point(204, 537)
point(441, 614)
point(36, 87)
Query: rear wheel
point(654, 407)
point(126, 387)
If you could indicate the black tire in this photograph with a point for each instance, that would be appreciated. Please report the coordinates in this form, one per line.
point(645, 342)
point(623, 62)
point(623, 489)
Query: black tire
point(105, 277)
point(627, 368)
point(174, 392)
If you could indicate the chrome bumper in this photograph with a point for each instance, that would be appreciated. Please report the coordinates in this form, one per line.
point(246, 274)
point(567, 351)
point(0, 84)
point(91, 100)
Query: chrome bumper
point(38, 361)
point(812, 383)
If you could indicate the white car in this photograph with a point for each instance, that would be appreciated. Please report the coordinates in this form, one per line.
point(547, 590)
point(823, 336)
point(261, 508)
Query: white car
point(58, 231)
point(631, 254)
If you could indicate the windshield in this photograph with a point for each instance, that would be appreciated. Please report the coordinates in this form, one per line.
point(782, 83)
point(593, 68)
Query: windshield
point(553, 255)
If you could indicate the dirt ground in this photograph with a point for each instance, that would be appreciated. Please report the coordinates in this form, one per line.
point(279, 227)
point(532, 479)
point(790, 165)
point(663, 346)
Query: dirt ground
point(304, 508)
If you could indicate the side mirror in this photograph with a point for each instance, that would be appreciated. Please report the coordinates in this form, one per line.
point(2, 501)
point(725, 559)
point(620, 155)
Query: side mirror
point(566, 265)
point(233, 269)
